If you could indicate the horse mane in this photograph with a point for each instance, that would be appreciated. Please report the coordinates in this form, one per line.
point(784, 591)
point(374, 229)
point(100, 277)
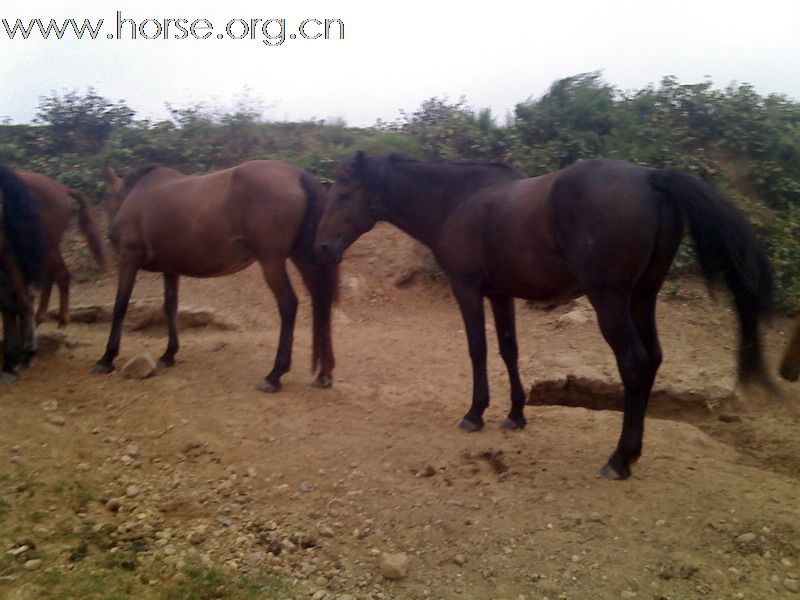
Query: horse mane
point(397, 157)
point(133, 176)
point(375, 170)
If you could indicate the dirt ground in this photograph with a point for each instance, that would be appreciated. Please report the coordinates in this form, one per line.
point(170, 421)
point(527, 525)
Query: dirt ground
point(195, 465)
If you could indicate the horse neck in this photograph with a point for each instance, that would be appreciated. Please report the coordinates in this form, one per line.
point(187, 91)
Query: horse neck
point(418, 208)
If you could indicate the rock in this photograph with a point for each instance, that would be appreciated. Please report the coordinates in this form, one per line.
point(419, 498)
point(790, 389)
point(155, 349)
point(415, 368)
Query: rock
point(57, 420)
point(132, 491)
point(132, 449)
point(326, 531)
point(140, 366)
point(746, 538)
point(114, 504)
point(83, 467)
point(33, 564)
point(578, 316)
point(460, 560)
point(198, 535)
point(49, 342)
point(394, 566)
point(793, 585)
point(628, 594)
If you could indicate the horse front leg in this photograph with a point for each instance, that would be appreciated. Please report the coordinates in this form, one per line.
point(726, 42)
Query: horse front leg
point(171, 312)
point(278, 281)
point(503, 309)
point(11, 346)
point(28, 335)
point(470, 301)
point(127, 277)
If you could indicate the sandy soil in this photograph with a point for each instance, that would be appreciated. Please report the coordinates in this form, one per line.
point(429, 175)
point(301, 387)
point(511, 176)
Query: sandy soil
point(316, 485)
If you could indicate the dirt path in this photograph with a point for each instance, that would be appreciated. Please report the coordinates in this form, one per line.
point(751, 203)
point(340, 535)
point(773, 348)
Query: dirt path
point(196, 466)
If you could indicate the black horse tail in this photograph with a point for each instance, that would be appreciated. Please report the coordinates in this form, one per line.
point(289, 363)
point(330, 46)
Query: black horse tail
point(321, 279)
point(21, 225)
point(727, 248)
point(89, 227)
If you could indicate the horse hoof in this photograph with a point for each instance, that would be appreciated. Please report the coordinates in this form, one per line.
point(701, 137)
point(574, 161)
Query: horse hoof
point(62, 324)
point(610, 472)
point(323, 381)
point(267, 387)
point(512, 425)
point(102, 369)
point(469, 426)
point(6, 377)
point(165, 364)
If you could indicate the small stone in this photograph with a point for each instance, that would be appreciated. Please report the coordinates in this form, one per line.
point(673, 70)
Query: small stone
point(394, 566)
point(460, 560)
point(57, 420)
point(132, 491)
point(793, 585)
point(82, 467)
point(140, 366)
point(326, 531)
point(33, 564)
point(595, 517)
point(114, 504)
point(319, 595)
point(198, 535)
point(132, 450)
point(746, 538)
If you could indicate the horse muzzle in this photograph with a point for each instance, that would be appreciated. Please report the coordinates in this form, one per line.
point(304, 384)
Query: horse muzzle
point(328, 252)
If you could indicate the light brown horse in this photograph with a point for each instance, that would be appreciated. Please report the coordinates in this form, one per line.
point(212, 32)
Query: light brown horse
point(217, 224)
point(607, 229)
point(790, 365)
point(51, 200)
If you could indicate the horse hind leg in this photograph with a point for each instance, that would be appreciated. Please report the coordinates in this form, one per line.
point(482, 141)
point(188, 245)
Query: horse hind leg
point(44, 298)
point(636, 370)
point(278, 281)
point(171, 312)
point(62, 279)
point(125, 281)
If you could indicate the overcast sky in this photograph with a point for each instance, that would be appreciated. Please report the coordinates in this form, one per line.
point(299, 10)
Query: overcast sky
point(394, 54)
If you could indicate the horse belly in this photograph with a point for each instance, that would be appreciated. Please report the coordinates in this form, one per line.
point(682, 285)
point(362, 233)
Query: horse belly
point(197, 258)
point(536, 275)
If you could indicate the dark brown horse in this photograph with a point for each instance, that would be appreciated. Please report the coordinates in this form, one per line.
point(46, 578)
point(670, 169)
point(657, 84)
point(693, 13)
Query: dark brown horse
point(607, 229)
point(790, 365)
point(51, 201)
point(217, 224)
point(21, 260)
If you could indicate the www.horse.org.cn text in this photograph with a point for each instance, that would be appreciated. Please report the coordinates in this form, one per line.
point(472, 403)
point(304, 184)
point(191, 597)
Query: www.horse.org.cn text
point(271, 31)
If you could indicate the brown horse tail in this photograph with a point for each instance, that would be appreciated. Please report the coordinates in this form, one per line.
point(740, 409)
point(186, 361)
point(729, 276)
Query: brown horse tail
point(89, 227)
point(321, 279)
point(727, 248)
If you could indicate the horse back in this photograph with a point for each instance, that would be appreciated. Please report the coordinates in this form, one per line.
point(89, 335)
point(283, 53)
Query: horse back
point(212, 224)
